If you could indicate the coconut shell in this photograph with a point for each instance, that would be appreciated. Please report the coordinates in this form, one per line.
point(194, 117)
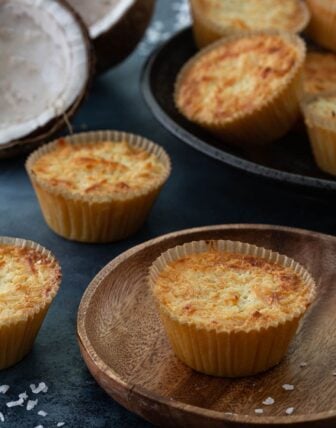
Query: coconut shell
point(44, 133)
point(119, 42)
point(117, 39)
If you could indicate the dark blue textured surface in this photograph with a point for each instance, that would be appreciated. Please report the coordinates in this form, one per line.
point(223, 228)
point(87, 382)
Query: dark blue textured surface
point(201, 191)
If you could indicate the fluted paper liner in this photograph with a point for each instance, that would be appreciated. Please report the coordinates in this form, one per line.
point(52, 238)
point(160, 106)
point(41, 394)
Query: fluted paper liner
point(322, 133)
point(207, 31)
point(321, 28)
point(217, 350)
point(18, 334)
point(268, 121)
point(98, 218)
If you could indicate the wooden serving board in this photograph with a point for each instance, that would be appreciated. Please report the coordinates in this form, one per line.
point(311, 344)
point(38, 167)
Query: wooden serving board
point(125, 348)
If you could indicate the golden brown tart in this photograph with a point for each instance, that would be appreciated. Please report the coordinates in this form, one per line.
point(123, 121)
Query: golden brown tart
point(98, 187)
point(321, 28)
point(244, 89)
point(320, 118)
point(319, 72)
point(214, 19)
point(29, 280)
point(218, 299)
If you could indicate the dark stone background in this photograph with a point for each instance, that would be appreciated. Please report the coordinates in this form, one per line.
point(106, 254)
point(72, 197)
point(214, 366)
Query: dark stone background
point(201, 191)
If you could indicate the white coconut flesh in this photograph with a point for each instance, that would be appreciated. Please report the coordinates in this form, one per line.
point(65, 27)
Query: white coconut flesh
point(44, 65)
point(100, 15)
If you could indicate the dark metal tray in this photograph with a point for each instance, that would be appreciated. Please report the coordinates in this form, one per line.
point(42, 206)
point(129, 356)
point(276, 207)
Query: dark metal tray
point(288, 160)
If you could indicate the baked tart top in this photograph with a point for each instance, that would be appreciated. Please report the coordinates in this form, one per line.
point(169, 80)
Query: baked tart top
point(237, 76)
point(222, 290)
point(102, 168)
point(29, 279)
point(289, 15)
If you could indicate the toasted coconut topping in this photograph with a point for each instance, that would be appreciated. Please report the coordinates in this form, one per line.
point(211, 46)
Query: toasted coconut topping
point(99, 168)
point(323, 106)
point(235, 77)
point(320, 73)
point(287, 15)
point(27, 279)
point(215, 288)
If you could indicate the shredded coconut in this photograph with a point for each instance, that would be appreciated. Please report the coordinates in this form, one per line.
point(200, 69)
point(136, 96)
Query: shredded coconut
point(290, 410)
point(159, 31)
point(2, 418)
point(31, 404)
point(61, 424)
point(288, 387)
point(39, 426)
point(23, 395)
point(269, 401)
point(18, 402)
point(4, 389)
point(303, 364)
point(182, 15)
point(42, 413)
point(41, 387)
point(258, 411)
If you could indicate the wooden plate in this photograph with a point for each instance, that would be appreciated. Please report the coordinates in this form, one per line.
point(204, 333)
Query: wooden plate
point(124, 346)
point(288, 160)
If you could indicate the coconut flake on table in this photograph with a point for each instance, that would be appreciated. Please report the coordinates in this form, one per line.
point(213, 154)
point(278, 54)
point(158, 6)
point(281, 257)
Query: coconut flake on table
point(289, 411)
point(158, 32)
point(31, 404)
point(288, 387)
point(2, 418)
point(39, 426)
point(4, 389)
point(303, 364)
point(269, 401)
point(258, 411)
point(60, 424)
point(23, 395)
point(18, 402)
point(41, 387)
point(42, 413)
point(182, 14)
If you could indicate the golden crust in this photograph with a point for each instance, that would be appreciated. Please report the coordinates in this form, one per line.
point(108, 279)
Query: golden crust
point(216, 288)
point(28, 280)
point(236, 76)
point(97, 169)
point(319, 72)
point(321, 110)
point(321, 27)
point(289, 15)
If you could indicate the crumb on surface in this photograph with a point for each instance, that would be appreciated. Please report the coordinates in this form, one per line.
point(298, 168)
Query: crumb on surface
point(269, 401)
point(31, 404)
point(41, 387)
point(289, 410)
point(288, 387)
point(4, 389)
